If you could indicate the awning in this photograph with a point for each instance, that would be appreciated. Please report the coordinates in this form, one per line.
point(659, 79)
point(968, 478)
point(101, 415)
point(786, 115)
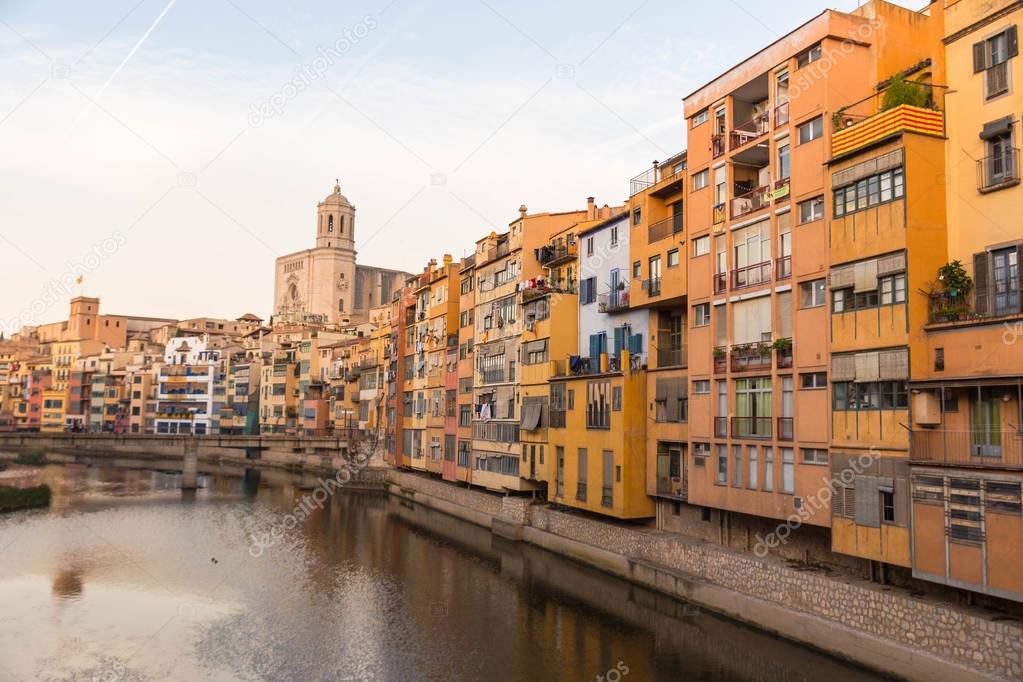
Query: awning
point(1002, 126)
point(531, 415)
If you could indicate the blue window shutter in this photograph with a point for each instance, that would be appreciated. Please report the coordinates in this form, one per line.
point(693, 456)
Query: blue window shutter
point(603, 341)
point(619, 341)
point(594, 346)
point(636, 344)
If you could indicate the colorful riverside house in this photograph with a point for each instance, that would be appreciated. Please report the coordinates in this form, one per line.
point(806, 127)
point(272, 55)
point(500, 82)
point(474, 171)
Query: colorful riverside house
point(186, 387)
point(466, 369)
point(758, 249)
point(600, 398)
point(658, 284)
point(439, 340)
point(966, 457)
point(416, 392)
point(399, 366)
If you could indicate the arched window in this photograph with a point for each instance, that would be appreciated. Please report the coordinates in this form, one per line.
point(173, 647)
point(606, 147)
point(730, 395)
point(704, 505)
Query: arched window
point(330, 223)
point(341, 305)
point(341, 224)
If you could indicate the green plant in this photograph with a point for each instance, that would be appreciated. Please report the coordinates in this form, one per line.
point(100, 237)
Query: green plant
point(782, 345)
point(900, 91)
point(13, 499)
point(955, 280)
point(836, 118)
point(719, 352)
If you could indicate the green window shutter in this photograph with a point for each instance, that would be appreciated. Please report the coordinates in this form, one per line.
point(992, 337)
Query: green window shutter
point(619, 341)
point(636, 344)
point(594, 346)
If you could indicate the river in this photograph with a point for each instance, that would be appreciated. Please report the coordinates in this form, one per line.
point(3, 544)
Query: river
point(125, 577)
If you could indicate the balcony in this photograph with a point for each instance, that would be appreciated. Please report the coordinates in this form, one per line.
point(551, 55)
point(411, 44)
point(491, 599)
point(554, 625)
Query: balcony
point(652, 287)
point(853, 135)
point(720, 359)
point(781, 114)
point(663, 229)
point(783, 267)
point(980, 448)
point(998, 171)
point(720, 282)
point(751, 275)
point(751, 427)
point(749, 201)
point(949, 309)
point(750, 358)
point(614, 302)
point(718, 145)
point(669, 172)
point(554, 255)
point(785, 428)
point(671, 357)
point(751, 130)
point(721, 427)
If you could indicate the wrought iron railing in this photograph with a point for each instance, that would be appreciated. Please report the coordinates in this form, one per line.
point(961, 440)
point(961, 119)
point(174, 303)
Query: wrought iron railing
point(751, 427)
point(998, 169)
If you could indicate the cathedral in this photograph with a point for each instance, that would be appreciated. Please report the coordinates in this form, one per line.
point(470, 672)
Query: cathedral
point(325, 284)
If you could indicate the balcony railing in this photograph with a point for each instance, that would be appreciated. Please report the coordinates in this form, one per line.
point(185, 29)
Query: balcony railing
point(556, 254)
point(721, 427)
point(652, 286)
point(751, 275)
point(717, 145)
point(998, 170)
point(750, 201)
point(785, 427)
point(947, 308)
point(751, 427)
point(656, 174)
point(745, 133)
point(720, 282)
point(606, 499)
point(580, 491)
point(663, 229)
point(750, 359)
point(781, 114)
point(982, 448)
point(783, 267)
point(720, 360)
point(671, 357)
point(614, 302)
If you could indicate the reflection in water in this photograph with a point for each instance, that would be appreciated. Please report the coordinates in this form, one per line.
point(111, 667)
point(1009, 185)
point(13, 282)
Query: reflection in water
point(122, 580)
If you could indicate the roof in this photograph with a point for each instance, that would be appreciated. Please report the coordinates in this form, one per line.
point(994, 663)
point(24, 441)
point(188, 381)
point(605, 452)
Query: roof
point(593, 225)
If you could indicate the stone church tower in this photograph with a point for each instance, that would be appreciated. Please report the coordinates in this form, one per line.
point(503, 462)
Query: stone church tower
point(324, 284)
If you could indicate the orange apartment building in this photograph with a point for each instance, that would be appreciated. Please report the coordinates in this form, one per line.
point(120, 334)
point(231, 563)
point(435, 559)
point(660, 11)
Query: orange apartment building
point(759, 255)
point(466, 368)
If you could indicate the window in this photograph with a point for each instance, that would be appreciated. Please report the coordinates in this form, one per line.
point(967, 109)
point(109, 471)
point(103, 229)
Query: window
point(1000, 164)
point(811, 381)
point(869, 192)
point(877, 395)
point(614, 235)
point(737, 466)
point(637, 270)
point(768, 468)
point(812, 294)
point(751, 459)
point(701, 387)
point(809, 56)
point(587, 290)
point(893, 289)
point(616, 399)
point(811, 210)
point(811, 130)
point(673, 258)
point(701, 246)
point(784, 162)
point(701, 179)
point(788, 478)
point(637, 216)
point(701, 315)
point(582, 475)
point(598, 412)
point(701, 118)
point(991, 56)
point(814, 456)
point(887, 506)
point(846, 300)
point(589, 246)
point(722, 457)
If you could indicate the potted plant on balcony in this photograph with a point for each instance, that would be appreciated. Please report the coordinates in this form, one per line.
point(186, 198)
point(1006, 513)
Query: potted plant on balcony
point(950, 295)
point(719, 352)
point(900, 91)
point(782, 345)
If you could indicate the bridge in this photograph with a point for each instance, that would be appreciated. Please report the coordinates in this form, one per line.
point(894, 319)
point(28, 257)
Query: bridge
point(292, 452)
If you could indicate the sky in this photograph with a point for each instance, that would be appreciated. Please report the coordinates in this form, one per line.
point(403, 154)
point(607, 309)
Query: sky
point(167, 151)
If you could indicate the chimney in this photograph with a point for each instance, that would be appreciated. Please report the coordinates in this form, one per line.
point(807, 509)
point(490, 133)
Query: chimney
point(590, 209)
point(448, 259)
point(522, 211)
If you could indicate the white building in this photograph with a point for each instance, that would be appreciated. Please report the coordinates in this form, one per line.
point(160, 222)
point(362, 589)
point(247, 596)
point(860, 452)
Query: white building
point(187, 394)
point(606, 323)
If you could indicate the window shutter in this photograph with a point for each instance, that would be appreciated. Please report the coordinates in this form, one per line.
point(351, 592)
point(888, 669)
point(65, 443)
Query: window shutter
point(843, 367)
point(981, 288)
point(867, 367)
point(867, 502)
point(865, 276)
point(889, 265)
point(636, 344)
point(785, 315)
point(893, 364)
point(979, 57)
point(843, 277)
point(619, 341)
point(595, 347)
point(1012, 39)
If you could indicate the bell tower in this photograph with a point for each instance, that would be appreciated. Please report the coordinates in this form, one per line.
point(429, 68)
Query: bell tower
point(335, 222)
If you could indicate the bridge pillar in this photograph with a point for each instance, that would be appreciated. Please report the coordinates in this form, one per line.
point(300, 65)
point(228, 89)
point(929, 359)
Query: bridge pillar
point(190, 466)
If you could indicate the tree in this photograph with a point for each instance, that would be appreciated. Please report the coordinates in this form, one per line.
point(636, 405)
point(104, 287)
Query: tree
point(900, 91)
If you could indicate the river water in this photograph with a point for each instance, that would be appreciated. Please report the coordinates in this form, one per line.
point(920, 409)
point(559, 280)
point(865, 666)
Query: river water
point(127, 578)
